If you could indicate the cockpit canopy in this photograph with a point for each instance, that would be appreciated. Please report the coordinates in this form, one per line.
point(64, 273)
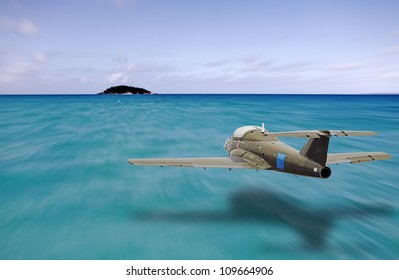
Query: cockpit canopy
point(249, 132)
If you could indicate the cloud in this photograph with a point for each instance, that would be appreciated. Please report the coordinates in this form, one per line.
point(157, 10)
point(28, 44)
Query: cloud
point(117, 77)
point(248, 63)
point(297, 66)
point(87, 80)
point(256, 63)
point(150, 68)
point(22, 27)
point(394, 50)
point(11, 72)
point(40, 57)
point(395, 33)
point(346, 66)
point(257, 66)
point(119, 2)
point(218, 63)
point(139, 72)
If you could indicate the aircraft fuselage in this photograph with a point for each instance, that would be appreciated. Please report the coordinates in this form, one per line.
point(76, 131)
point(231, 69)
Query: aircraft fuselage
point(277, 156)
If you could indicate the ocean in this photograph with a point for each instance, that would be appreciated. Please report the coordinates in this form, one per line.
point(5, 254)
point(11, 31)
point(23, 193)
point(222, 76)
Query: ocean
point(68, 192)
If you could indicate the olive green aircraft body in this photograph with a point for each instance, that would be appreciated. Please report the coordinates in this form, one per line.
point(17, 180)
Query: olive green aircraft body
point(254, 147)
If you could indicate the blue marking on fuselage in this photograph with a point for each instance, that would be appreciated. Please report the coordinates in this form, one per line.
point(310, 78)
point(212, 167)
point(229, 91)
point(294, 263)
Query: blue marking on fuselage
point(280, 161)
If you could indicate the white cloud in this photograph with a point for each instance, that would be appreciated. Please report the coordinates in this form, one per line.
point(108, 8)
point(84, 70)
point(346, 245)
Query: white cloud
point(150, 68)
point(256, 66)
point(119, 2)
point(297, 66)
point(11, 72)
point(22, 27)
point(139, 72)
point(249, 63)
point(40, 57)
point(28, 28)
point(87, 80)
point(346, 67)
point(395, 33)
point(391, 50)
point(218, 63)
point(117, 77)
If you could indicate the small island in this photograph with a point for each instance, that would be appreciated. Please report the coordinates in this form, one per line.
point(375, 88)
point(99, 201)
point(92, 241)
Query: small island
point(125, 90)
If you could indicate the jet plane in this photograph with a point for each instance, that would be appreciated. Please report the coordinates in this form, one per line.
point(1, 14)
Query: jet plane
point(255, 147)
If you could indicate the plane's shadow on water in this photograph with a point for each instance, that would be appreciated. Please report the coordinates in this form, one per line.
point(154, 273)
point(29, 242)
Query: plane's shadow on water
point(257, 205)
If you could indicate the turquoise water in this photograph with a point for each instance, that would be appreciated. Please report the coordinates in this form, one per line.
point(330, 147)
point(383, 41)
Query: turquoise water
point(67, 191)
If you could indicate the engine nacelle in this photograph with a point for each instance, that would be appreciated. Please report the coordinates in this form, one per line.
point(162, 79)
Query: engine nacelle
point(257, 161)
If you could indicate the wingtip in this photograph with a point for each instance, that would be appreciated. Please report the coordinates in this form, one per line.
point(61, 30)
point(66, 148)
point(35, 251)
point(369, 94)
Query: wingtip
point(131, 161)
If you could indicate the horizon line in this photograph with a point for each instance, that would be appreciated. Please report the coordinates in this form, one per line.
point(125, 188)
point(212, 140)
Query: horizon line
point(383, 93)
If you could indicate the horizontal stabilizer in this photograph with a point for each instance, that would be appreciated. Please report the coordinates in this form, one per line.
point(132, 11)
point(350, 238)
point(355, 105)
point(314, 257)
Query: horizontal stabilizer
point(210, 162)
point(319, 133)
point(356, 157)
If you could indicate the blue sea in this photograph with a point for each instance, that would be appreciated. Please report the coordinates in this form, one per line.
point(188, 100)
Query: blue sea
point(68, 192)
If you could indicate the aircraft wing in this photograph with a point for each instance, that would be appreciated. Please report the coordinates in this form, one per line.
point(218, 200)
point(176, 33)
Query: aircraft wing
point(356, 157)
point(318, 133)
point(210, 162)
point(351, 133)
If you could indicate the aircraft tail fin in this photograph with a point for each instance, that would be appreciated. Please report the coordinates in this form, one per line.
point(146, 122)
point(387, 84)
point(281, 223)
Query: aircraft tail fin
point(316, 149)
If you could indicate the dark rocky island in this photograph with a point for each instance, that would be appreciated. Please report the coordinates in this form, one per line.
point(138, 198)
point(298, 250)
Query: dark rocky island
point(125, 90)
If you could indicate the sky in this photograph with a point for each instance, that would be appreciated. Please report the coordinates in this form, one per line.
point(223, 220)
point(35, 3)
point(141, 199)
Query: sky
point(200, 46)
